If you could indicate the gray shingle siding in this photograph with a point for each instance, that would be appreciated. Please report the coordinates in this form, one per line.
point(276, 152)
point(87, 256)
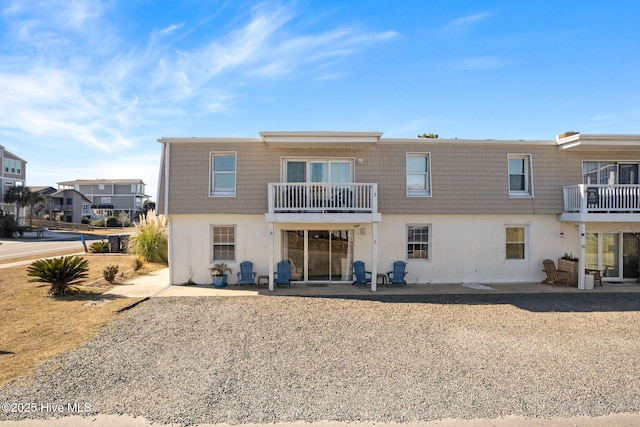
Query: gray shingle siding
point(466, 177)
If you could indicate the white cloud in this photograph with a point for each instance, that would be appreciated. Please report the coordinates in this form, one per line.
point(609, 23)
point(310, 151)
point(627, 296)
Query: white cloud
point(460, 26)
point(171, 28)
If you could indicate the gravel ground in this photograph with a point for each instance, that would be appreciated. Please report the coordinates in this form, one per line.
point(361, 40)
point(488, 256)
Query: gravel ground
point(395, 359)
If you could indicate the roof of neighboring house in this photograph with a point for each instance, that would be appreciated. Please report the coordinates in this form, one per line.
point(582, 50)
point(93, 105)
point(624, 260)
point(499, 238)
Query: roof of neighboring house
point(45, 190)
point(102, 181)
point(63, 193)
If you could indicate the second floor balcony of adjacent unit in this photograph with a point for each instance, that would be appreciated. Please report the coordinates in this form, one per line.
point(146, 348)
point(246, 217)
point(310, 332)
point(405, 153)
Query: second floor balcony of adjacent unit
point(601, 203)
point(322, 202)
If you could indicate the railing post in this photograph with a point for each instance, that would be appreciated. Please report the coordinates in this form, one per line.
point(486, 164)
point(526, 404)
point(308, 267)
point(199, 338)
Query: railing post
point(582, 198)
point(374, 198)
point(270, 200)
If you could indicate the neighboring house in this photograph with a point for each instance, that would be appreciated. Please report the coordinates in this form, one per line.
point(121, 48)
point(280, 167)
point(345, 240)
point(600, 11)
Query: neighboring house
point(13, 174)
point(70, 204)
point(111, 197)
point(455, 210)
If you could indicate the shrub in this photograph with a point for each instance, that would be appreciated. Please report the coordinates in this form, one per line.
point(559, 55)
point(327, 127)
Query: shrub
point(59, 272)
point(100, 247)
point(151, 240)
point(8, 225)
point(109, 273)
point(138, 263)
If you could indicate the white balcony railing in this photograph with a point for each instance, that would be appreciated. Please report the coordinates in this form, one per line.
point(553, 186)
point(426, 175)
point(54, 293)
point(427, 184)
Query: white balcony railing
point(595, 198)
point(306, 197)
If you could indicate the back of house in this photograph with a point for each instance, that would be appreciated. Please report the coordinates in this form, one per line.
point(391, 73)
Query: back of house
point(454, 210)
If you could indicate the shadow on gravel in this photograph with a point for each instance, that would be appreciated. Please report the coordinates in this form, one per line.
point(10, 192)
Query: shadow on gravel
point(541, 303)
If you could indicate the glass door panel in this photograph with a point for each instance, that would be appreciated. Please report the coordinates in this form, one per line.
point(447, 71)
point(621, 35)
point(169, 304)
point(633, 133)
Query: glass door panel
point(630, 256)
point(340, 172)
point(611, 254)
point(591, 252)
point(319, 255)
point(293, 250)
point(341, 250)
point(296, 171)
point(628, 174)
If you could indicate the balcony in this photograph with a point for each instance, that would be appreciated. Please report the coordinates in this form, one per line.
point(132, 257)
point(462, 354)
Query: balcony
point(601, 203)
point(322, 202)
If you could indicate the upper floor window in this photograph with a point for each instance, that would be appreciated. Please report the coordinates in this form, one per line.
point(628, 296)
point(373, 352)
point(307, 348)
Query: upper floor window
point(418, 174)
point(12, 166)
point(609, 173)
point(318, 170)
point(520, 184)
point(223, 174)
point(105, 200)
point(100, 187)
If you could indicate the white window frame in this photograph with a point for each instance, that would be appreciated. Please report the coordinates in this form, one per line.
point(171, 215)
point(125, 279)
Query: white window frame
point(105, 200)
point(528, 176)
point(212, 174)
point(214, 243)
point(308, 160)
point(418, 193)
point(525, 243)
point(428, 242)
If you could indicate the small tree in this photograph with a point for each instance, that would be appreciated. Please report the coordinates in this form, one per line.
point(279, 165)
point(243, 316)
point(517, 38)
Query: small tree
point(59, 272)
point(20, 195)
point(151, 241)
point(31, 200)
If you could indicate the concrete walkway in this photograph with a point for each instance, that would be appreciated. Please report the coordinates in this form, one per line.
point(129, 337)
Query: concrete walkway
point(156, 284)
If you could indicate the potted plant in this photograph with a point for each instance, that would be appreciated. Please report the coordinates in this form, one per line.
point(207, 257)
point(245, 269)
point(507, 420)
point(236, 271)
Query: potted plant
point(219, 273)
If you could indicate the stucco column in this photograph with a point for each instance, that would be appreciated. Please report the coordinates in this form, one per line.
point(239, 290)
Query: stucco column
point(582, 239)
point(374, 256)
point(271, 256)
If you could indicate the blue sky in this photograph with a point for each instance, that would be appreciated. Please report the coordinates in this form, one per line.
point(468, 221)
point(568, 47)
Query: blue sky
point(88, 86)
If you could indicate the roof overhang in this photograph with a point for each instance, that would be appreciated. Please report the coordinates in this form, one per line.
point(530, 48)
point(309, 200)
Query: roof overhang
point(595, 142)
point(321, 139)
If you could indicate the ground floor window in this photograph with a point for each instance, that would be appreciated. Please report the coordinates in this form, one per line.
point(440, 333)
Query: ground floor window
point(516, 238)
point(318, 255)
point(418, 241)
point(224, 242)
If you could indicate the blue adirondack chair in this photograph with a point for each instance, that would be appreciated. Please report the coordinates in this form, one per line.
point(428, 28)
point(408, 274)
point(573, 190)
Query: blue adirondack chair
point(283, 274)
point(246, 276)
point(396, 277)
point(361, 274)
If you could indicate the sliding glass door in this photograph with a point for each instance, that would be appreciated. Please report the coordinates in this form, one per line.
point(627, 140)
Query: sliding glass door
point(615, 254)
point(319, 255)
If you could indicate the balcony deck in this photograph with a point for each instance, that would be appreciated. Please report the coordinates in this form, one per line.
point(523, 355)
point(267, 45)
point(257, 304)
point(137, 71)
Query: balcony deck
point(322, 202)
point(601, 203)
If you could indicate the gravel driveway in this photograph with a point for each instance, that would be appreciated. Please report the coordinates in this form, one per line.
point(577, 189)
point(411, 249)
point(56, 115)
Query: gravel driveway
point(404, 358)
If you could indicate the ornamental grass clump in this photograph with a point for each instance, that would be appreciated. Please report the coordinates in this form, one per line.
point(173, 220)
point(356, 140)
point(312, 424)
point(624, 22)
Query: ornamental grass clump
point(151, 241)
point(59, 272)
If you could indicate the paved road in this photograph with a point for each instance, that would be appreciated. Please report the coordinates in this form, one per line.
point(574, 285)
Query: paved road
point(51, 242)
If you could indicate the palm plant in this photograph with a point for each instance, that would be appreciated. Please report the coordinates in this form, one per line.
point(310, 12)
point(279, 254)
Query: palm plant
point(59, 272)
point(151, 241)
